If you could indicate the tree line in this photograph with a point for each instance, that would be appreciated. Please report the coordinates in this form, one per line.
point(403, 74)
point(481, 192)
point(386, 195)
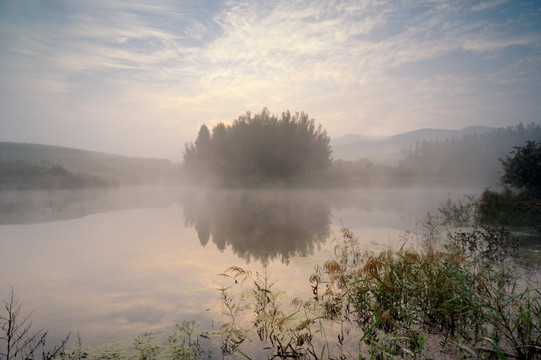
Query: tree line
point(474, 157)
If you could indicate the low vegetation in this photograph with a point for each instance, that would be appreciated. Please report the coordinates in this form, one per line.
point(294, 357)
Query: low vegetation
point(517, 205)
point(23, 175)
point(20, 341)
point(466, 299)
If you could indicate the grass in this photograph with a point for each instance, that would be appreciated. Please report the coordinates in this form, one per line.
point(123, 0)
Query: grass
point(181, 343)
point(464, 299)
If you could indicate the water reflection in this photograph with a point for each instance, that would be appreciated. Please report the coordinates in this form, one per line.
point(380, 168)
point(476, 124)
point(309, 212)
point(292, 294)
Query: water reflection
point(259, 225)
point(41, 206)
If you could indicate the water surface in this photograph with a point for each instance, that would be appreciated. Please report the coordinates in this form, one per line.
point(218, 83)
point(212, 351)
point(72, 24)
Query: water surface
point(113, 264)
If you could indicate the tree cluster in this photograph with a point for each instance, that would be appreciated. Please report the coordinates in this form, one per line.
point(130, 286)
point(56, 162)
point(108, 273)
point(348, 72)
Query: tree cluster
point(470, 158)
point(522, 206)
point(259, 148)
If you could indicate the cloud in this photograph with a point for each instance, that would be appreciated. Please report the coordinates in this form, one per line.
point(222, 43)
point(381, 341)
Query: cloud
point(485, 5)
point(169, 65)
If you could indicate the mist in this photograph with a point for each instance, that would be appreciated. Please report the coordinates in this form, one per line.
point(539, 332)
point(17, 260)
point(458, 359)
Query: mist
point(95, 240)
point(286, 153)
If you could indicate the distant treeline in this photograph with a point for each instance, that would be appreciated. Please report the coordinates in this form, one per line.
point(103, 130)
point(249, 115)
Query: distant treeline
point(24, 175)
point(259, 149)
point(288, 148)
point(37, 166)
point(470, 158)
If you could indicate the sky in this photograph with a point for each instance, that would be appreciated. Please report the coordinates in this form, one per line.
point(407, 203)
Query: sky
point(140, 77)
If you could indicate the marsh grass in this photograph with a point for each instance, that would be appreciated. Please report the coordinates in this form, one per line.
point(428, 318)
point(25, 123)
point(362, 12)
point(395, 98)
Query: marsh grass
point(466, 299)
point(181, 343)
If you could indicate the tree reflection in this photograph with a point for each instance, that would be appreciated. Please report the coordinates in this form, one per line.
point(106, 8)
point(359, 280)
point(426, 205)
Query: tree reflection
point(259, 225)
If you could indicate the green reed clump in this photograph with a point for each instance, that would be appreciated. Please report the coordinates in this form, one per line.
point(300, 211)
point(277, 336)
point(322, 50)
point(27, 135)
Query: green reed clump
point(467, 297)
point(470, 291)
point(396, 294)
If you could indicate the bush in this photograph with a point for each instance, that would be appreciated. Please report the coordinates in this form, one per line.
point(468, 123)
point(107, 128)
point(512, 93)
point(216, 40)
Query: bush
point(466, 298)
point(523, 167)
point(498, 208)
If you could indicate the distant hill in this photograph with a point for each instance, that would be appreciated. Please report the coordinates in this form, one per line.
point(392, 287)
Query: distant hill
point(387, 149)
point(111, 168)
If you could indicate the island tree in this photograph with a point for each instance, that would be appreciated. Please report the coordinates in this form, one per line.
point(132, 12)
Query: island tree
point(259, 148)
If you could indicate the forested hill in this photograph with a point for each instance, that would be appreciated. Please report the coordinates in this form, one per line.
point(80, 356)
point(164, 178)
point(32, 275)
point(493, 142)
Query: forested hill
point(471, 156)
point(474, 156)
point(110, 168)
point(388, 149)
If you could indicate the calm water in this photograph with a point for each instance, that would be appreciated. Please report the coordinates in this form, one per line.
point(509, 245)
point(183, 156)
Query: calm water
point(113, 264)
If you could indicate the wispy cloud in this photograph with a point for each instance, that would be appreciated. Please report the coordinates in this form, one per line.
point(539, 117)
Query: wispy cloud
point(345, 62)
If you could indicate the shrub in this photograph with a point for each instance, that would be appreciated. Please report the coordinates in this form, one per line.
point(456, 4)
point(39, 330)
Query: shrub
point(522, 168)
point(398, 303)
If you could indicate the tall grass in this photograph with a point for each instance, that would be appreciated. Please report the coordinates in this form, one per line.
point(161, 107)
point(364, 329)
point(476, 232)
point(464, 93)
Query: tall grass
point(466, 298)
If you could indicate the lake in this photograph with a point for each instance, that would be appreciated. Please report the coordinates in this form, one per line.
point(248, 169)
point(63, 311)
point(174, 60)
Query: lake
point(112, 264)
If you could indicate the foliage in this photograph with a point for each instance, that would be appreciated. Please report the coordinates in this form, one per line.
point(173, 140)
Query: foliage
point(467, 297)
point(288, 331)
point(79, 352)
point(459, 213)
point(499, 208)
point(522, 168)
point(258, 148)
point(182, 343)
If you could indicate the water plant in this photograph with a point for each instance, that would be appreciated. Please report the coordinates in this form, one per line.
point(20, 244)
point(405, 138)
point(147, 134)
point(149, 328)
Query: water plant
point(465, 299)
point(459, 213)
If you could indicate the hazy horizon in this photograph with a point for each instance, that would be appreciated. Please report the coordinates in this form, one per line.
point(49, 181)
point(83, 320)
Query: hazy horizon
point(138, 79)
point(342, 140)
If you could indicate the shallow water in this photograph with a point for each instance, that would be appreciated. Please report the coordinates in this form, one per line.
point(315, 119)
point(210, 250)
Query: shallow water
point(112, 264)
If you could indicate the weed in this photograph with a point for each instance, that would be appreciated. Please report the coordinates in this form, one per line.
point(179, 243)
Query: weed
point(459, 213)
point(397, 302)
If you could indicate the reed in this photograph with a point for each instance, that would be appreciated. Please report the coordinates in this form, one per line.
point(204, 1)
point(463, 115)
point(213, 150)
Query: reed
point(465, 299)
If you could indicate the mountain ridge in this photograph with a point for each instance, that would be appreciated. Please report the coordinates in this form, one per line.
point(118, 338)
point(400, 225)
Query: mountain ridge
point(118, 168)
point(386, 149)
